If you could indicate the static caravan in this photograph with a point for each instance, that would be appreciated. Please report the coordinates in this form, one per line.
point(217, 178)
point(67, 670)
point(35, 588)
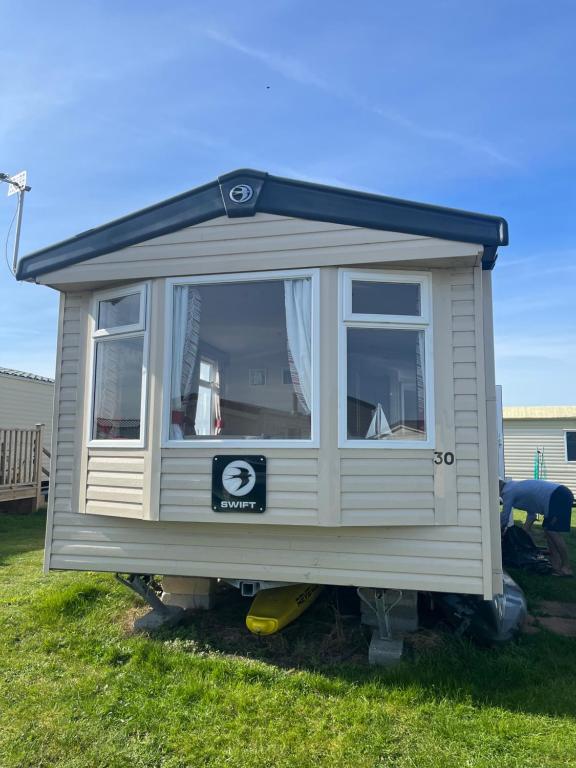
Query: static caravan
point(26, 399)
point(541, 440)
point(267, 380)
point(26, 403)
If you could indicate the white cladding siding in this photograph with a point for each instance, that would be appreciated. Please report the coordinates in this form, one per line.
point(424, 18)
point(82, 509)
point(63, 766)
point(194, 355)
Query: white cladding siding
point(262, 242)
point(446, 558)
point(385, 533)
point(466, 353)
point(292, 487)
point(115, 484)
point(66, 446)
point(522, 438)
point(380, 489)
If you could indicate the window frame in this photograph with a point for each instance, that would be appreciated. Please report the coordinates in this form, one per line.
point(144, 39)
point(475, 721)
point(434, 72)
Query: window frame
point(242, 277)
point(373, 276)
point(115, 293)
point(566, 432)
point(423, 322)
point(106, 335)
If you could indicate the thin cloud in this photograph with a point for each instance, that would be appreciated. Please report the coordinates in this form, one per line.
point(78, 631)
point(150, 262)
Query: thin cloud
point(298, 72)
point(287, 66)
point(525, 306)
point(471, 143)
point(549, 346)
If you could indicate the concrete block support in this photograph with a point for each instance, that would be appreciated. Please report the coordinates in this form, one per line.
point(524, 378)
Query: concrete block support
point(188, 592)
point(384, 652)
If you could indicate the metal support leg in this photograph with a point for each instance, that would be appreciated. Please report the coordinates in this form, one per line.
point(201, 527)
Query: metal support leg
point(161, 615)
point(384, 649)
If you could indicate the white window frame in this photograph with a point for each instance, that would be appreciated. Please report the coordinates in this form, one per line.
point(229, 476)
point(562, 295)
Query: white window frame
point(134, 330)
point(202, 443)
point(423, 322)
point(115, 294)
point(567, 460)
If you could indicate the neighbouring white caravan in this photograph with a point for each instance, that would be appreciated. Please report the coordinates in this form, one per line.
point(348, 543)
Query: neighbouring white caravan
point(26, 399)
point(266, 379)
point(541, 438)
point(26, 406)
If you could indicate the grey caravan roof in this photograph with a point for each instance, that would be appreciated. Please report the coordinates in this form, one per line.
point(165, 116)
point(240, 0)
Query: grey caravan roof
point(247, 192)
point(24, 375)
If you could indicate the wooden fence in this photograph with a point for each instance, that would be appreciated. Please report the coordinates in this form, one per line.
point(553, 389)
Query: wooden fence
point(21, 458)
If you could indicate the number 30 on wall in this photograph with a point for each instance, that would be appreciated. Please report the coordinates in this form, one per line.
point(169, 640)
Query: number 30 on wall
point(444, 458)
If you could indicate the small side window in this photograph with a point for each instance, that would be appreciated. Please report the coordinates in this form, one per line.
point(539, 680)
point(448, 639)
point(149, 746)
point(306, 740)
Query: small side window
point(374, 297)
point(386, 391)
point(119, 367)
point(119, 312)
point(571, 446)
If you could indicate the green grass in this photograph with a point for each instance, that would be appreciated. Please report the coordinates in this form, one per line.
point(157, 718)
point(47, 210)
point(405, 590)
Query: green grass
point(549, 588)
point(78, 690)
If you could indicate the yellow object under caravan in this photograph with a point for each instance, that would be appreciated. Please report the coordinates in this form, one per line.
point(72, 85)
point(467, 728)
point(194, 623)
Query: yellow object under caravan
point(273, 609)
point(270, 380)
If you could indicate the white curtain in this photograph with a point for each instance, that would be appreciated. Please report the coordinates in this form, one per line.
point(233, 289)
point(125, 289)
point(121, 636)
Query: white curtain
point(108, 366)
point(218, 424)
point(298, 303)
point(379, 426)
point(186, 334)
point(420, 392)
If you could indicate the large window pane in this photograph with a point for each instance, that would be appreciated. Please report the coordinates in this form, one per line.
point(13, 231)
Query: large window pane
point(232, 346)
point(386, 399)
point(119, 311)
point(118, 389)
point(370, 297)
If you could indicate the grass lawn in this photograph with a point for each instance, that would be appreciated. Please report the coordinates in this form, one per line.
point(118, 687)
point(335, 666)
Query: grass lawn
point(78, 690)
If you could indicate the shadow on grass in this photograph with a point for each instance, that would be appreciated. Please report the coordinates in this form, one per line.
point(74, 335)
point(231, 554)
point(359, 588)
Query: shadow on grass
point(21, 533)
point(533, 675)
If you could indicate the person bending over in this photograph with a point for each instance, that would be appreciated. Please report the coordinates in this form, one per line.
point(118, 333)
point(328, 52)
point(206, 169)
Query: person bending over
point(540, 497)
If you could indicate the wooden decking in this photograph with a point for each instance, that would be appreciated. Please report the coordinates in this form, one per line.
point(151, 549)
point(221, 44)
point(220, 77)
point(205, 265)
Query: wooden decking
point(21, 470)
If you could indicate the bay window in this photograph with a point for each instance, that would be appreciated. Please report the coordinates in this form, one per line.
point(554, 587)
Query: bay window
point(118, 367)
point(233, 339)
point(385, 360)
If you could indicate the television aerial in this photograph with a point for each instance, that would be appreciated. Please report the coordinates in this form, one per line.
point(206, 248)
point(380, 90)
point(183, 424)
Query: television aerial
point(16, 186)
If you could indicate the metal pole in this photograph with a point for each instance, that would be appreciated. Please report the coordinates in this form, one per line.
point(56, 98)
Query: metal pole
point(18, 228)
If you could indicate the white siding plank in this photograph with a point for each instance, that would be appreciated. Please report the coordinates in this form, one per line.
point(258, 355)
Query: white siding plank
point(385, 484)
point(389, 467)
point(466, 418)
point(390, 579)
point(278, 558)
point(262, 534)
point(343, 544)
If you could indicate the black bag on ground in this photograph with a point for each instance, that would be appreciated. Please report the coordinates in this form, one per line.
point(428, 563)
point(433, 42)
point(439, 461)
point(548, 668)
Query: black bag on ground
point(519, 551)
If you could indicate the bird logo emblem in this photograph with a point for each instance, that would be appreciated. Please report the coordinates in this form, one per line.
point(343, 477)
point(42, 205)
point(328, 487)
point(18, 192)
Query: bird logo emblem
point(238, 478)
point(241, 193)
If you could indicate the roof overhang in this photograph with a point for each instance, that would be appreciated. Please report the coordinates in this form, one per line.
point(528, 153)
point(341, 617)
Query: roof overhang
point(244, 193)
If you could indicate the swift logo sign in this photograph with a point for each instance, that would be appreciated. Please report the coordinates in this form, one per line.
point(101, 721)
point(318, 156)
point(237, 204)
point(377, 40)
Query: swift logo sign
point(238, 478)
point(241, 193)
point(239, 483)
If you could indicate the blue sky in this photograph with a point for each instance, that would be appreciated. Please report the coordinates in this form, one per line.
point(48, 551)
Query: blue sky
point(114, 106)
